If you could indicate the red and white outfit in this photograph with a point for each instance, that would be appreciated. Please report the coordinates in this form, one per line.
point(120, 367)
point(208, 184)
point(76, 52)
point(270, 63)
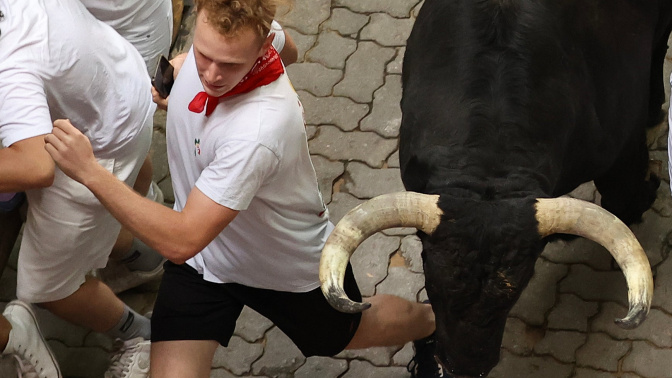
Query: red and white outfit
point(58, 61)
point(250, 154)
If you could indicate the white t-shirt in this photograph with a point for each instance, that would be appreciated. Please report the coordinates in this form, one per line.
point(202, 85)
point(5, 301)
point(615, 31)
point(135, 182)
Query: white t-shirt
point(147, 24)
point(58, 61)
point(250, 154)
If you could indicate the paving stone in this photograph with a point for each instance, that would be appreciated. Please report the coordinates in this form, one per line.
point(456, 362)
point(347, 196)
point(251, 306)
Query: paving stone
point(652, 235)
point(396, 8)
point(58, 329)
point(593, 285)
point(601, 352)
point(579, 251)
point(411, 249)
point(80, 362)
point(220, 373)
point(367, 147)
point(511, 365)
point(238, 356)
point(562, 345)
point(310, 132)
point(539, 296)
point(571, 313)
point(387, 30)
point(416, 9)
point(648, 361)
point(370, 261)
point(303, 42)
point(655, 329)
point(364, 71)
point(345, 21)
point(338, 111)
point(280, 356)
point(402, 283)
point(322, 367)
point(306, 15)
point(400, 231)
point(662, 293)
point(520, 339)
point(327, 172)
point(340, 204)
point(331, 50)
point(251, 326)
point(359, 369)
point(585, 191)
point(592, 373)
point(377, 356)
point(366, 182)
point(313, 77)
point(395, 66)
point(385, 117)
point(404, 355)
point(663, 204)
point(393, 160)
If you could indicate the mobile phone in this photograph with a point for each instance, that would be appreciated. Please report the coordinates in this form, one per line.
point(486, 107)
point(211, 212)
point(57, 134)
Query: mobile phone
point(163, 77)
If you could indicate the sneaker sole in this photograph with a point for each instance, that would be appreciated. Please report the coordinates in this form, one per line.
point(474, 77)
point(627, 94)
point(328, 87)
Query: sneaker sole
point(39, 331)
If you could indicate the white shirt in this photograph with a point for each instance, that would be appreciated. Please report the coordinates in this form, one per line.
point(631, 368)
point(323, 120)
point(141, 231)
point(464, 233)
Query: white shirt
point(250, 154)
point(147, 24)
point(58, 61)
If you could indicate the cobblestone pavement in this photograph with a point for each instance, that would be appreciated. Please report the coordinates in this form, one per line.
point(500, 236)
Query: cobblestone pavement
point(348, 78)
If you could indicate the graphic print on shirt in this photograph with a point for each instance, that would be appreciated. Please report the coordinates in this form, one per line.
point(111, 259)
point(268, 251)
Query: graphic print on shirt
point(197, 147)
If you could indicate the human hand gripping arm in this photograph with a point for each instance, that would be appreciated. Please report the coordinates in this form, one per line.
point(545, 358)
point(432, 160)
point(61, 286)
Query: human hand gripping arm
point(176, 62)
point(177, 236)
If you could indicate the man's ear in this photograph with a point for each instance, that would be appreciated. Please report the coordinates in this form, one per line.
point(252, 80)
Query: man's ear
point(266, 45)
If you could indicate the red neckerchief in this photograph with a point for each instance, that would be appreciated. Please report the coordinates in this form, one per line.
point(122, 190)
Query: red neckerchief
point(265, 71)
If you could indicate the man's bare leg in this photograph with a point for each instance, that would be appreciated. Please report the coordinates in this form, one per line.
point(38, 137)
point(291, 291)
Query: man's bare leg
point(392, 320)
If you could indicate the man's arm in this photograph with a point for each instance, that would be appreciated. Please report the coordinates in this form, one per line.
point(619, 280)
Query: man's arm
point(25, 165)
point(177, 236)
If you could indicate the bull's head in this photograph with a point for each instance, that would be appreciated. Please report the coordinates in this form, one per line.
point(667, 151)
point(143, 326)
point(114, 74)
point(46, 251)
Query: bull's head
point(471, 296)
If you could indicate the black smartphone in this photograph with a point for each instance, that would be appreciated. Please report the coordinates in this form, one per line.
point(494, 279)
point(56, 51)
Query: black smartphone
point(163, 77)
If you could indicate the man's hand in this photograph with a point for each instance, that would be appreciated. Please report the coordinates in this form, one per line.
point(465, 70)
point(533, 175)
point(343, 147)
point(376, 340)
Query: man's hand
point(71, 150)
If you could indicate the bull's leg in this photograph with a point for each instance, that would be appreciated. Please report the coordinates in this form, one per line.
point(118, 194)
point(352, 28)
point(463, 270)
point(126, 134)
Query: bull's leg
point(628, 189)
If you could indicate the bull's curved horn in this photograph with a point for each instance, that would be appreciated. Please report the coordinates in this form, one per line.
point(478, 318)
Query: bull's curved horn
point(404, 209)
point(573, 216)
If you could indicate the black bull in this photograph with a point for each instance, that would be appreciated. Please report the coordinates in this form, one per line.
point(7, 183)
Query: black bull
point(505, 102)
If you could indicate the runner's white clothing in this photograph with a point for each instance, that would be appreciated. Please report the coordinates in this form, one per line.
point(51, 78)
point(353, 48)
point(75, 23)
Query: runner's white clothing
point(250, 154)
point(147, 24)
point(53, 64)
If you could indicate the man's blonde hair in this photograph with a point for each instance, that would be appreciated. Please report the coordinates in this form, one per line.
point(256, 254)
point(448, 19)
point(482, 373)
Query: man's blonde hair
point(228, 17)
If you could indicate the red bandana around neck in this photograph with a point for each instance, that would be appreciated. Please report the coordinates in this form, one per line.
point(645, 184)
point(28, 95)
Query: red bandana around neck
point(265, 71)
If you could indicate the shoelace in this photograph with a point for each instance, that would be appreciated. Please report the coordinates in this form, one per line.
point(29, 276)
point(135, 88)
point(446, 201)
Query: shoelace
point(24, 369)
point(121, 361)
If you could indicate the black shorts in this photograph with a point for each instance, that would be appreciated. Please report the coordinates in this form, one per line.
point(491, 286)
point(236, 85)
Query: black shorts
point(190, 308)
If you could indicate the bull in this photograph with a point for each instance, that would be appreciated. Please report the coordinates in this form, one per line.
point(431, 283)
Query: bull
point(507, 105)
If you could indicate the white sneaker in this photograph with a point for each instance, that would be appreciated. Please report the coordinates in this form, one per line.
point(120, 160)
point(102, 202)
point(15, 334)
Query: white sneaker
point(131, 360)
point(26, 340)
point(24, 369)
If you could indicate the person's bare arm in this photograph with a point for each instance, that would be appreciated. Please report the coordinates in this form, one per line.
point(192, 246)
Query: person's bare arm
point(177, 236)
point(25, 165)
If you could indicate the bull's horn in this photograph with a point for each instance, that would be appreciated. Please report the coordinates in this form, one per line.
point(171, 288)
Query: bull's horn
point(404, 209)
point(573, 216)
